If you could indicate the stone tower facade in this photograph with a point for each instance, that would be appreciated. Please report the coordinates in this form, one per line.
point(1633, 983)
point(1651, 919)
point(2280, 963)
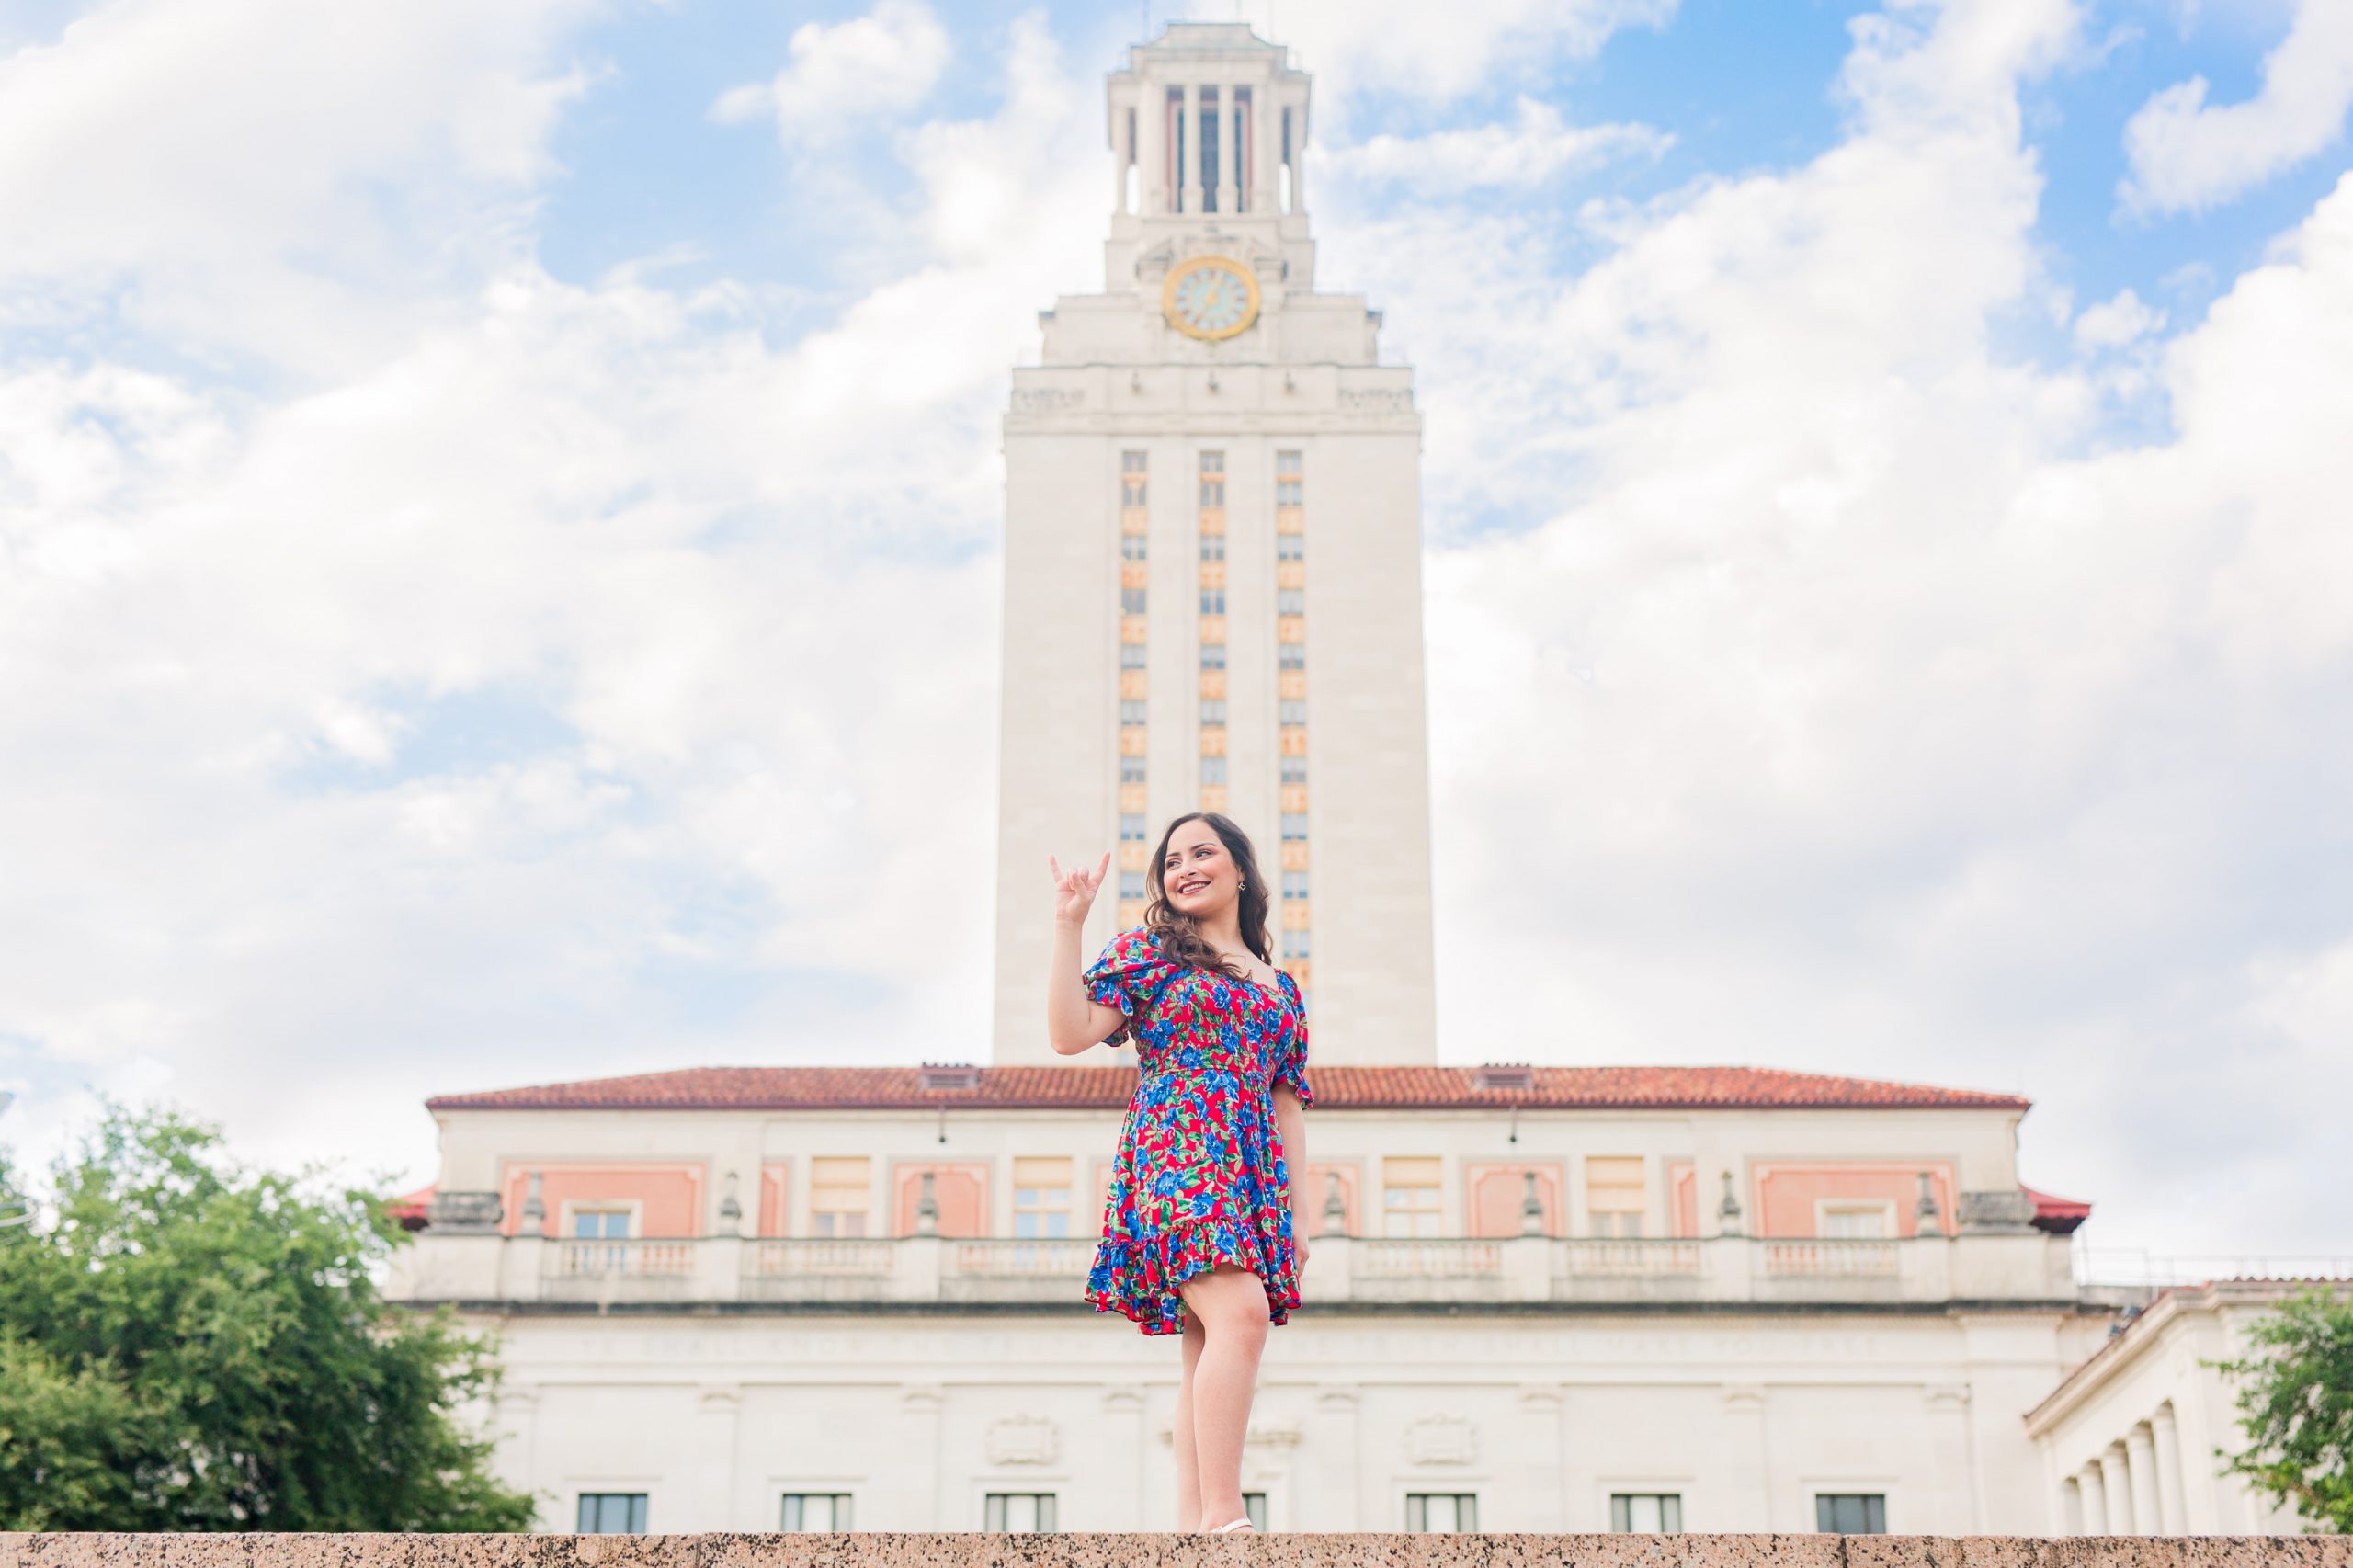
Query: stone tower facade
point(1212, 577)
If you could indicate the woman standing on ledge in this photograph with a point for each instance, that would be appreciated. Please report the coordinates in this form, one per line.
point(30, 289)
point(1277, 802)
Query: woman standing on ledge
point(1201, 1213)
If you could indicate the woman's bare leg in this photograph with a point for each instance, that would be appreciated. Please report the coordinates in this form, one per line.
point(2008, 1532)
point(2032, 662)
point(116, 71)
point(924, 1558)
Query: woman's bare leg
point(1188, 1467)
point(1231, 1306)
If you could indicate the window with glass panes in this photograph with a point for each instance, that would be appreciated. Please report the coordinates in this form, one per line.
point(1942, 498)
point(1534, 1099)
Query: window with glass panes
point(1409, 1187)
point(839, 1192)
point(611, 1513)
point(1022, 1513)
point(1648, 1513)
point(1255, 1505)
point(1851, 1512)
point(817, 1511)
point(1041, 1187)
point(1614, 1195)
point(1854, 1222)
point(1442, 1513)
point(1209, 524)
point(594, 1222)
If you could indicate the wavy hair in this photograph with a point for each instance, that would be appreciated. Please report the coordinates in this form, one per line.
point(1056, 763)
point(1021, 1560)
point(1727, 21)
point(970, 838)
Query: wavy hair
point(1177, 935)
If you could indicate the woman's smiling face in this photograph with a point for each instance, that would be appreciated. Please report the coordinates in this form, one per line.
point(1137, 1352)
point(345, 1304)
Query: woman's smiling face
point(1197, 876)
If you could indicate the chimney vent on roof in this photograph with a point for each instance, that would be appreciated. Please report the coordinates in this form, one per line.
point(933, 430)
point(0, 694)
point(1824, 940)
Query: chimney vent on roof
point(1504, 1075)
point(948, 1076)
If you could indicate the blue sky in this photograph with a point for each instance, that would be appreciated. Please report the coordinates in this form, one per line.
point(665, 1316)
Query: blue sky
point(499, 522)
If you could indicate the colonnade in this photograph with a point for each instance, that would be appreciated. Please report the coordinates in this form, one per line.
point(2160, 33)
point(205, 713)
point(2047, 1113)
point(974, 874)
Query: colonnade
point(1257, 162)
point(2134, 1487)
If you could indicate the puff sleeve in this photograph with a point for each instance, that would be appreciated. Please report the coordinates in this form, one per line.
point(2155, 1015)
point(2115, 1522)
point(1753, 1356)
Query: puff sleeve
point(1292, 1068)
point(1129, 976)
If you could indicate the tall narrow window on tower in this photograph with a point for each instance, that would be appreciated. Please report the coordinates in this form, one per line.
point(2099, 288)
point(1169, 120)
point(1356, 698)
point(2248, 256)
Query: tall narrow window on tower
point(1173, 139)
point(1211, 520)
point(1290, 695)
point(1245, 146)
point(1134, 534)
point(1213, 145)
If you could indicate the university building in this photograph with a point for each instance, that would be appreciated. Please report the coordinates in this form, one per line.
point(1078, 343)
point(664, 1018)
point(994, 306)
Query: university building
point(1539, 1298)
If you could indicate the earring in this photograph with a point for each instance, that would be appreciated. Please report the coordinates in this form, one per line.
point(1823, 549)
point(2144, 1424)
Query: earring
point(1239, 885)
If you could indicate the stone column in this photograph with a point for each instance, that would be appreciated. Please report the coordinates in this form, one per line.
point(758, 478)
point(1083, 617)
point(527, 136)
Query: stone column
point(1188, 139)
point(920, 1460)
point(1299, 156)
point(1748, 1486)
point(1229, 150)
point(2067, 1512)
point(2147, 1517)
point(2173, 1512)
point(2115, 1481)
point(1330, 1501)
point(1266, 146)
point(1122, 1449)
point(711, 1478)
point(2093, 1483)
point(1538, 1488)
point(1123, 153)
point(518, 1420)
point(1152, 147)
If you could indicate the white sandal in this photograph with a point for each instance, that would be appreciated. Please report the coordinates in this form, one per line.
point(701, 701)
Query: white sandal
point(1240, 1523)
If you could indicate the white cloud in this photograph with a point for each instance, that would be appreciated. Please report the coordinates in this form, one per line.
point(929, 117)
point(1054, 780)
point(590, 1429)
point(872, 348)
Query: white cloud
point(2187, 154)
point(237, 174)
point(1845, 715)
point(2118, 322)
point(1537, 146)
point(557, 692)
point(876, 66)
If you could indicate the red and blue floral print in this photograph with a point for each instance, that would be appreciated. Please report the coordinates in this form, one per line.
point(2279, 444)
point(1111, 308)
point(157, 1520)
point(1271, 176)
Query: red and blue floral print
point(1199, 1178)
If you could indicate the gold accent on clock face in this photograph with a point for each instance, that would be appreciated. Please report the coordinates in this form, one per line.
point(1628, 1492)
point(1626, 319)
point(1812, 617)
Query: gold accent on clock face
point(1209, 298)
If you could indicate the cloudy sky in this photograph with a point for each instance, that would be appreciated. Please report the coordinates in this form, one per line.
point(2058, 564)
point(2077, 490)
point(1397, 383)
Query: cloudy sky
point(499, 518)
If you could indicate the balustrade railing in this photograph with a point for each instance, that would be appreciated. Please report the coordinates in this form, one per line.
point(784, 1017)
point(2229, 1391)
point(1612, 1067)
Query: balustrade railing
point(1388, 1258)
point(1361, 1268)
point(619, 1259)
point(1840, 1259)
point(1632, 1259)
point(822, 1255)
point(1045, 1258)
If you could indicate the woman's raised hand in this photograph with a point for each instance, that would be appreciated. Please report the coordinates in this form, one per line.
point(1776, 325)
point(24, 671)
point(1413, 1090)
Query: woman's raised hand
point(1074, 890)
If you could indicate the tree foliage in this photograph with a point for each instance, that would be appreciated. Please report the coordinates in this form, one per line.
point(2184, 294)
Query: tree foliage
point(2296, 1406)
point(187, 1344)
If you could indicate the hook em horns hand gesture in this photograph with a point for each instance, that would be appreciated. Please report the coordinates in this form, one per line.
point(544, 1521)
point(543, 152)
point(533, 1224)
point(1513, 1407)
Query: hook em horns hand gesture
point(1074, 890)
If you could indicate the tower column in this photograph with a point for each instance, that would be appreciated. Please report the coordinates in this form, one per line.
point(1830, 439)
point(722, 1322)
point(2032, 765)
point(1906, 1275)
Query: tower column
point(1152, 148)
point(1123, 153)
point(1189, 140)
point(1266, 146)
point(2165, 1432)
point(2092, 1481)
point(1229, 148)
point(1299, 156)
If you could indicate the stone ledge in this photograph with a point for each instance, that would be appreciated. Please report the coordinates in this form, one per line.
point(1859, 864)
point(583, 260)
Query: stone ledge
point(970, 1550)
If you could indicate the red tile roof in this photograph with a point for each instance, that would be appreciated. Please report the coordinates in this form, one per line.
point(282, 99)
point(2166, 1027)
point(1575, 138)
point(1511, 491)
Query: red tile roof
point(409, 1208)
point(2060, 1216)
point(1342, 1088)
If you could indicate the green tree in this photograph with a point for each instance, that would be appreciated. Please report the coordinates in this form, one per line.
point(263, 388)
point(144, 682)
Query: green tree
point(2296, 1406)
point(190, 1345)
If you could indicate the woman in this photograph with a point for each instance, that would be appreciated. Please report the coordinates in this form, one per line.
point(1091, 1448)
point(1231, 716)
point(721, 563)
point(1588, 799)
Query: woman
point(1202, 1233)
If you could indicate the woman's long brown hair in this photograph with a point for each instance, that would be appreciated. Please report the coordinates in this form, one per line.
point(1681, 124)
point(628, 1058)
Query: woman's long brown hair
point(1177, 937)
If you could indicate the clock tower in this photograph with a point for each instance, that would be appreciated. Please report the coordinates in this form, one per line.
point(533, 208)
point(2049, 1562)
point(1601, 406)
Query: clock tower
point(1213, 566)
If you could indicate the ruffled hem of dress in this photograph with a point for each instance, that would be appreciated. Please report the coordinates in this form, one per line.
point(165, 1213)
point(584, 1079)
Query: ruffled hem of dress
point(1138, 1278)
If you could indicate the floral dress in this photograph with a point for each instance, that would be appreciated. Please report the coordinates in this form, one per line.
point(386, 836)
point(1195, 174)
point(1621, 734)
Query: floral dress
point(1199, 1179)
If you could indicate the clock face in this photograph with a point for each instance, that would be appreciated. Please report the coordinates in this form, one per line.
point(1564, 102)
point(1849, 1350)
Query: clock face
point(1209, 297)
